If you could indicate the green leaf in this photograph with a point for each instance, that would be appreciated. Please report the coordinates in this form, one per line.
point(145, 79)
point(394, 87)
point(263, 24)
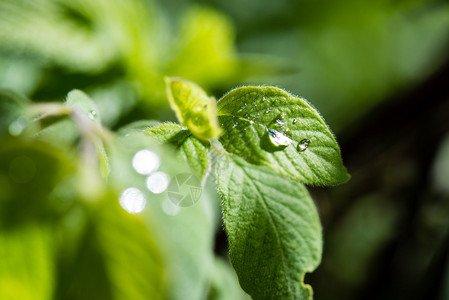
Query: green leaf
point(187, 235)
point(27, 263)
point(184, 234)
point(85, 114)
point(63, 134)
point(194, 151)
point(268, 126)
point(82, 104)
point(193, 108)
point(204, 49)
point(118, 257)
point(82, 270)
point(13, 118)
point(131, 254)
point(273, 229)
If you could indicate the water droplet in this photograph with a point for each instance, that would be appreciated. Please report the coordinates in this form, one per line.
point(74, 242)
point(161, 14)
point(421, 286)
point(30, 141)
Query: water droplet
point(242, 108)
point(278, 138)
point(281, 119)
point(157, 182)
point(18, 126)
point(93, 114)
point(235, 124)
point(303, 145)
point(268, 110)
point(294, 121)
point(145, 162)
point(132, 200)
point(280, 122)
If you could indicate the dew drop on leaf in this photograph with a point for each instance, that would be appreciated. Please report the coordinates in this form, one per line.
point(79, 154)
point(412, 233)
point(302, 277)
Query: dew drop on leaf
point(278, 139)
point(280, 122)
point(92, 114)
point(242, 108)
point(295, 121)
point(281, 119)
point(303, 145)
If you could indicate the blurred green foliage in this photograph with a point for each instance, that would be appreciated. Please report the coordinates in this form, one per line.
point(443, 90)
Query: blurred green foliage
point(63, 234)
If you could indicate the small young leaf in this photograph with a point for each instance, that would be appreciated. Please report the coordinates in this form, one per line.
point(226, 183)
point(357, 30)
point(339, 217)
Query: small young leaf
point(268, 126)
point(85, 114)
point(82, 104)
point(273, 229)
point(194, 151)
point(193, 108)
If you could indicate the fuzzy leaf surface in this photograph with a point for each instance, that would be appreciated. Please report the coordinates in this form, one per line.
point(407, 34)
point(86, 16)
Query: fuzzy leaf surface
point(194, 151)
point(193, 108)
point(273, 229)
point(268, 126)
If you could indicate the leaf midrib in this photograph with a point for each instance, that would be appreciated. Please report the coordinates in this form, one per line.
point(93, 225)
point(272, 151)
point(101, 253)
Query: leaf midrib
point(284, 265)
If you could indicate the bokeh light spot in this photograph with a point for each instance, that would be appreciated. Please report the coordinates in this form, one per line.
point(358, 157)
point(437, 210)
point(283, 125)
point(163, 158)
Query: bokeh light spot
point(145, 162)
point(133, 200)
point(158, 182)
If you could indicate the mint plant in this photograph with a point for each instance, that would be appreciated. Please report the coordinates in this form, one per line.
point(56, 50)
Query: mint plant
point(260, 144)
point(270, 144)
